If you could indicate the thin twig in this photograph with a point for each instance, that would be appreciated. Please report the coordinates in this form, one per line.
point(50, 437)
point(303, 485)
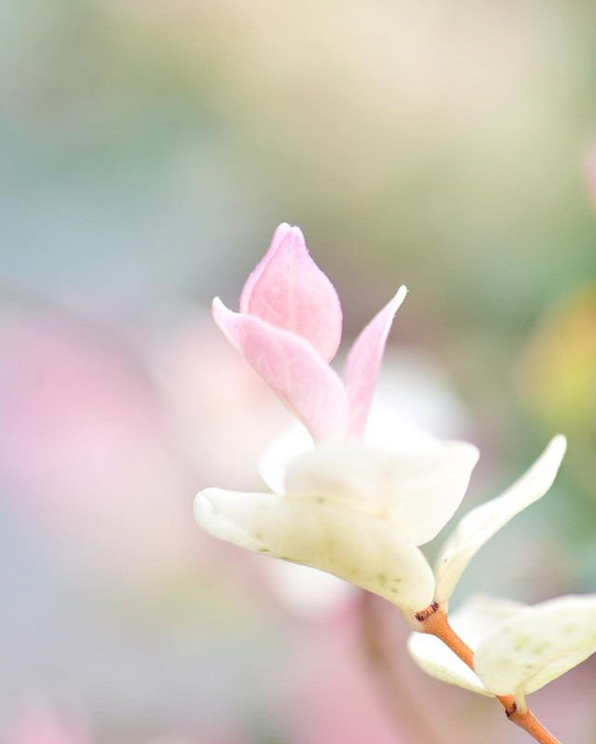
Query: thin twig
point(435, 622)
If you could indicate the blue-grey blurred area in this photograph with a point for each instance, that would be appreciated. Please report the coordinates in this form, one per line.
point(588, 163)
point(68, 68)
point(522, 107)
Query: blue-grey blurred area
point(148, 149)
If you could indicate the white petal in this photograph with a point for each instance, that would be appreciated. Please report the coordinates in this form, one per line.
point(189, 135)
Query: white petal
point(438, 661)
point(538, 645)
point(417, 493)
point(480, 524)
point(478, 618)
point(324, 534)
point(289, 445)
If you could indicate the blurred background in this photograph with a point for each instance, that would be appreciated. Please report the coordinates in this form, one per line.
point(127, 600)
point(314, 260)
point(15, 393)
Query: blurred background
point(148, 149)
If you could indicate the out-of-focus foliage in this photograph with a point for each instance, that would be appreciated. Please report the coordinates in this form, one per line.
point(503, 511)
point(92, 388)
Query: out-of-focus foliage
point(558, 373)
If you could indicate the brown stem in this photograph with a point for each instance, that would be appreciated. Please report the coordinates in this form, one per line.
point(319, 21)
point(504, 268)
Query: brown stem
point(528, 722)
point(435, 622)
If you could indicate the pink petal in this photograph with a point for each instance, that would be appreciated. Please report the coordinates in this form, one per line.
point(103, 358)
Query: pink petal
point(364, 361)
point(291, 367)
point(278, 238)
point(288, 290)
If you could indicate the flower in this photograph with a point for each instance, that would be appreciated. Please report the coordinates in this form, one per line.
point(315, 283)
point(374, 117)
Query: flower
point(519, 649)
point(353, 511)
point(289, 329)
point(360, 513)
point(345, 507)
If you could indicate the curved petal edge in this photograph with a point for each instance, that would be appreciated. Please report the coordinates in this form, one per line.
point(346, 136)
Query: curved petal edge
point(537, 645)
point(481, 523)
point(312, 391)
point(316, 532)
point(289, 291)
point(364, 361)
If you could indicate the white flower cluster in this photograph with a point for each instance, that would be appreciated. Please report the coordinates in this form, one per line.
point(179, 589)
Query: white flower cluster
point(361, 512)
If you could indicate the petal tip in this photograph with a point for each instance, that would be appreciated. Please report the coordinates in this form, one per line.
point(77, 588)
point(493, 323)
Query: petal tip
point(554, 453)
point(294, 241)
point(216, 305)
point(401, 293)
point(466, 452)
point(202, 506)
point(297, 233)
point(472, 453)
point(558, 445)
point(278, 239)
point(279, 236)
point(395, 303)
point(224, 318)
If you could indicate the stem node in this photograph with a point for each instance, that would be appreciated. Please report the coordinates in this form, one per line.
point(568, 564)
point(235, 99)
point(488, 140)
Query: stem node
point(434, 620)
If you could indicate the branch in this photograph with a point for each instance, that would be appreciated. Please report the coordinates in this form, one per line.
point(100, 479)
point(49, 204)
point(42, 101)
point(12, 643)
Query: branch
point(435, 622)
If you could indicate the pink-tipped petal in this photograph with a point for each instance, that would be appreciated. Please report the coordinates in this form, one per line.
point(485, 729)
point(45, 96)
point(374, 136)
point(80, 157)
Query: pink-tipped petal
point(312, 391)
point(289, 291)
point(364, 361)
point(278, 237)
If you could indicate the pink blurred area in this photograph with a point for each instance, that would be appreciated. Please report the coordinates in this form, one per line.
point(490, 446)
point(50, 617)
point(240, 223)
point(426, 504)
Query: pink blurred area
point(105, 437)
point(85, 447)
point(105, 444)
point(43, 726)
point(222, 413)
point(331, 695)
